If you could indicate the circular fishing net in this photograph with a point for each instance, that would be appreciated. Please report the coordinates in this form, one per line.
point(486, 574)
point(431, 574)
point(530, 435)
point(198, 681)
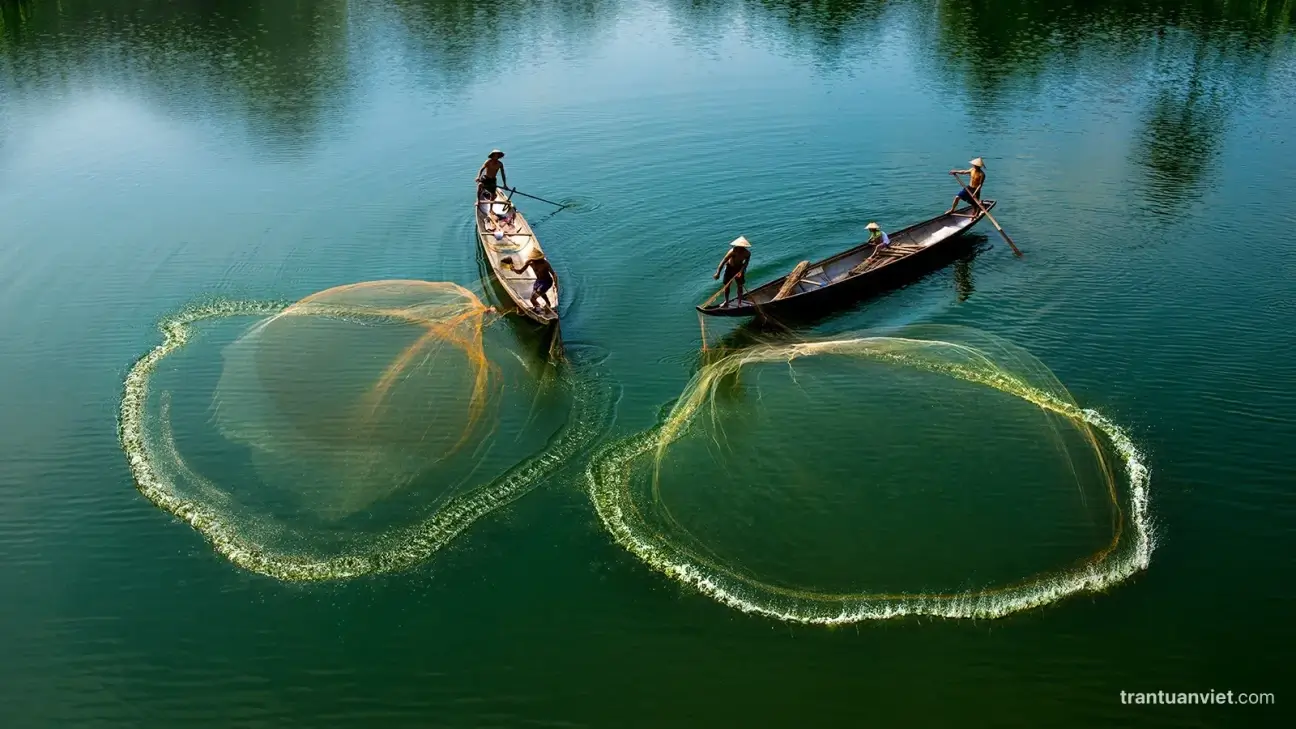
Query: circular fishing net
point(941, 472)
point(357, 430)
point(350, 393)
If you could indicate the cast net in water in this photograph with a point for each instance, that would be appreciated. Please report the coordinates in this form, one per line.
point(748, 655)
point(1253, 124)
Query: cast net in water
point(357, 430)
point(937, 471)
point(355, 390)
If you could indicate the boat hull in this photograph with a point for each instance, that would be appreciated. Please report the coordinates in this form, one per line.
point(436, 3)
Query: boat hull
point(945, 233)
point(514, 243)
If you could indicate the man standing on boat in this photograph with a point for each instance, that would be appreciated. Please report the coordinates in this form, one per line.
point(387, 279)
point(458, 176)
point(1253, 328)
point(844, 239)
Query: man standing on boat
point(977, 171)
point(486, 175)
point(735, 266)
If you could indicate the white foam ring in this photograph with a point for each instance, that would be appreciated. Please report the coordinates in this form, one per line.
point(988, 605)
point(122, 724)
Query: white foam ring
point(608, 478)
point(398, 550)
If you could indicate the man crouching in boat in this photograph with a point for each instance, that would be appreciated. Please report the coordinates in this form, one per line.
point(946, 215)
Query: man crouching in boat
point(735, 267)
point(486, 184)
point(977, 171)
point(546, 277)
point(879, 240)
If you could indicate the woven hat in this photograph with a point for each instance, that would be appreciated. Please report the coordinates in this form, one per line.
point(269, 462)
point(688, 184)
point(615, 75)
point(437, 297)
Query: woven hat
point(873, 226)
point(741, 242)
point(534, 253)
point(978, 162)
point(496, 153)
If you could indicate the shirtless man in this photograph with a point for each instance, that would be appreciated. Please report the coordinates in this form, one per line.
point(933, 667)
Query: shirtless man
point(486, 184)
point(977, 172)
point(546, 276)
point(735, 266)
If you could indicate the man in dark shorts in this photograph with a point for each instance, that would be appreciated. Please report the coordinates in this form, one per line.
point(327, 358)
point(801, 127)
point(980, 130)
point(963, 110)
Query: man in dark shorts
point(486, 184)
point(735, 267)
point(978, 179)
point(546, 277)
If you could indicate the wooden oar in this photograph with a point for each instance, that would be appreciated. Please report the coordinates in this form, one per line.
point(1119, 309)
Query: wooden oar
point(533, 197)
point(985, 212)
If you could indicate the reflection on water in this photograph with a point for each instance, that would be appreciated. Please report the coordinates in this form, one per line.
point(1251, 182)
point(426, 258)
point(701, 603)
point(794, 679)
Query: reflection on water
point(1180, 139)
point(832, 33)
point(1201, 60)
point(281, 65)
point(269, 148)
point(963, 282)
point(452, 43)
point(1199, 80)
point(274, 65)
point(826, 28)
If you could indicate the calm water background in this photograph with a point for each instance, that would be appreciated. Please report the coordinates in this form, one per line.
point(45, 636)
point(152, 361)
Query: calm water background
point(156, 153)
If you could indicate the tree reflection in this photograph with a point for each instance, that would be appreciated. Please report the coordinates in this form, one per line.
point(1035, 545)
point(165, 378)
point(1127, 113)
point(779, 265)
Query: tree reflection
point(452, 43)
point(1202, 58)
point(831, 32)
point(276, 63)
point(1181, 129)
point(827, 28)
point(283, 64)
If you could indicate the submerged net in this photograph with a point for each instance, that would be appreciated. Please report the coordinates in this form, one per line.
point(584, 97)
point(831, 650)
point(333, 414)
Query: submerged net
point(355, 390)
point(939, 471)
point(357, 430)
point(933, 471)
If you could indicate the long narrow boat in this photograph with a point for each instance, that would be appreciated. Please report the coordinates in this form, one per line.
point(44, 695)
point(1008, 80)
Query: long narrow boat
point(850, 274)
point(515, 241)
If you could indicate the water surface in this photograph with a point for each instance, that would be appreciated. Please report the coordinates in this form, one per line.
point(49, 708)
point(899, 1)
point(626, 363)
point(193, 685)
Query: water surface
point(157, 154)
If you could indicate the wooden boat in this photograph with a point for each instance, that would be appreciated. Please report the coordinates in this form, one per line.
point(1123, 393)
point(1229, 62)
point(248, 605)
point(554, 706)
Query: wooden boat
point(513, 240)
point(850, 275)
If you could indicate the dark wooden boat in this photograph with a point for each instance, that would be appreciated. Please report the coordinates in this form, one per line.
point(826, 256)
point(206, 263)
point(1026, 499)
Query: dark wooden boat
point(514, 241)
point(847, 276)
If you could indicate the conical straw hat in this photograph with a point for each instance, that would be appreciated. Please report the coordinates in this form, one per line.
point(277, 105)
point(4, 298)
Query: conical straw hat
point(873, 226)
point(741, 242)
point(534, 253)
point(978, 162)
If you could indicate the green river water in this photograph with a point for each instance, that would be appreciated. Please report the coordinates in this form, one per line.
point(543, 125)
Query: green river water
point(160, 157)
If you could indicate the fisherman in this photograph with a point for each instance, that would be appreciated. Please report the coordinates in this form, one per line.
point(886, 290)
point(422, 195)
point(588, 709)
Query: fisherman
point(546, 277)
point(977, 172)
point(735, 266)
point(878, 236)
point(486, 184)
point(878, 239)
